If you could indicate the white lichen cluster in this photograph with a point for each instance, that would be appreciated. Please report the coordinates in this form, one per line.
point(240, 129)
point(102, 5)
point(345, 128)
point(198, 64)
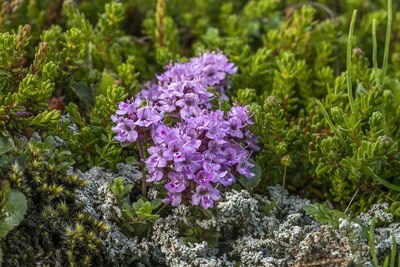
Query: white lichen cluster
point(383, 234)
point(239, 210)
point(380, 212)
point(98, 200)
point(252, 236)
point(166, 235)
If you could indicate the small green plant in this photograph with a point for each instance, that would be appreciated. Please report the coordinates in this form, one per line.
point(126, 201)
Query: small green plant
point(119, 189)
point(193, 233)
point(13, 206)
point(324, 215)
point(140, 216)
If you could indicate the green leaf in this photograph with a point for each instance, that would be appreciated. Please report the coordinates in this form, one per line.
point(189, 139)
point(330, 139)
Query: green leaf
point(190, 239)
point(372, 243)
point(106, 80)
point(155, 203)
point(146, 208)
point(140, 228)
point(49, 143)
point(117, 187)
point(84, 94)
point(138, 204)
point(324, 215)
point(5, 189)
point(6, 145)
point(212, 239)
point(128, 211)
point(395, 208)
point(132, 160)
point(267, 208)
point(13, 212)
point(252, 182)
point(73, 112)
point(189, 231)
point(394, 250)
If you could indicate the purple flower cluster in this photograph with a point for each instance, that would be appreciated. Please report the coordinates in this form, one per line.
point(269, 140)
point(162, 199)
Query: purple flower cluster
point(201, 149)
point(183, 88)
point(197, 155)
point(133, 120)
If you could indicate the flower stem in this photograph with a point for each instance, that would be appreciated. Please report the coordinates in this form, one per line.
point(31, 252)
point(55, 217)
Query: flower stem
point(387, 41)
point(375, 52)
point(160, 21)
point(349, 65)
point(142, 165)
point(283, 185)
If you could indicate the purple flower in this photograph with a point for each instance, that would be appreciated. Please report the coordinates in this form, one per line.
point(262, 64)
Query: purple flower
point(226, 178)
point(147, 115)
point(159, 133)
point(155, 176)
point(188, 105)
point(174, 199)
point(191, 164)
point(244, 166)
point(132, 123)
point(22, 113)
point(205, 196)
point(216, 132)
point(252, 141)
point(199, 151)
point(209, 166)
point(126, 131)
point(177, 182)
point(203, 178)
point(241, 113)
point(213, 151)
point(231, 156)
point(159, 157)
point(124, 108)
point(151, 92)
point(192, 77)
point(235, 127)
point(189, 100)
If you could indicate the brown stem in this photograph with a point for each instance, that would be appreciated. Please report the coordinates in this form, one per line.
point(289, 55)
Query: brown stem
point(160, 21)
point(142, 165)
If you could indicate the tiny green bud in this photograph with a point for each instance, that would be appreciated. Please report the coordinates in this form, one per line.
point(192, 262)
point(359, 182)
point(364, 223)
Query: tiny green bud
point(286, 161)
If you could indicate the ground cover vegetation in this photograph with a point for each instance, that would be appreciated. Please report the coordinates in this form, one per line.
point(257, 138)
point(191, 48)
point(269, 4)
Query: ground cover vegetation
point(198, 133)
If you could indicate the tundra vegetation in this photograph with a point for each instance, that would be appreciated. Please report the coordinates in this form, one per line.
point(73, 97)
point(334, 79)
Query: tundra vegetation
point(199, 133)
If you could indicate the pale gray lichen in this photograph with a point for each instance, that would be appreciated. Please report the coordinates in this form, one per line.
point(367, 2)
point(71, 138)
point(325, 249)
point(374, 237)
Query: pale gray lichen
point(380, 212)
point(290, 203)
point(123, 249)
point(108, 207)
point(72, 127)
point(129, 172)
point(98, 200)
point(166, 234)
point(153, 193)
point(383, 237)
point(283, 236)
